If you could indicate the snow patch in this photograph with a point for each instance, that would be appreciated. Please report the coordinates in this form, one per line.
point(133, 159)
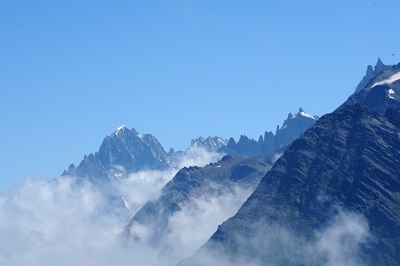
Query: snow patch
point(126, 203)
point(121, 128)
point(307, 115)
point(390, 93)
point(393, 78)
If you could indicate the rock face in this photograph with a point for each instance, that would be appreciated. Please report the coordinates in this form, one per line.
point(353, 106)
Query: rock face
point(370, 74)
point(381, 92)
point(348, 162)
point(226, 177)
point(292, 128)
point(125, 151)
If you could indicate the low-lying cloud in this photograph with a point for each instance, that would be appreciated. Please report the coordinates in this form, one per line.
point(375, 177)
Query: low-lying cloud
point(271, 243)
point(48, 223)
point(187, 229)
point(197, 156)
point(65, 222)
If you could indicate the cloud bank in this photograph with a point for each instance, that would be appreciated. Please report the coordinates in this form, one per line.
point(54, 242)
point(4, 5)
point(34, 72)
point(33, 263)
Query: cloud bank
point(338, 243)
point(65, 222)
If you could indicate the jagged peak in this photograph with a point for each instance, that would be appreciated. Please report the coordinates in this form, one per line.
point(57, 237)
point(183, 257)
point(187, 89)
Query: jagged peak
point(123, 130)
point(243, 138)
point(380, 66)
point(209, 143)
point(122, 127)
point(300, 113)
point(304, 114)
point(193, 142)
point(231, 141)
point(379, 63)
point(371, 73)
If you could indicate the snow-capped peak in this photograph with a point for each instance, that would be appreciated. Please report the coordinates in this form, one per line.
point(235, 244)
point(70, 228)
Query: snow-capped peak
point(304, 114)
point(121, 128)
point(390, 80)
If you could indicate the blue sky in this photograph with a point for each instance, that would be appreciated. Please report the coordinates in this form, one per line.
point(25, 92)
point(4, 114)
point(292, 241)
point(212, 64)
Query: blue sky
point(71, 72)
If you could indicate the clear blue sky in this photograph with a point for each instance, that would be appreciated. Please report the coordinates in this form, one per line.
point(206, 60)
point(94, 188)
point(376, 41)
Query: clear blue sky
point(71, 72)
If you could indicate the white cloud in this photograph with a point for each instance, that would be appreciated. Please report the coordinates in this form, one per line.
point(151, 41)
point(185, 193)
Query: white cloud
point(272, 243)
point(142, 186)
point(198, 219)
point(197, 156)
point(338, 244)
point(63, 223)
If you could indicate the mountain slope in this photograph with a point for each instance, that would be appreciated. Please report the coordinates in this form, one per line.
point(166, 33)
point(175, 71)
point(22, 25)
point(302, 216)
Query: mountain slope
point(225, 185)
point(348, 162)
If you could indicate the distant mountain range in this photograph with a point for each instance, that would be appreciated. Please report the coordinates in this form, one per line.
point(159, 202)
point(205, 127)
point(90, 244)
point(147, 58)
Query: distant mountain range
point(126, 151)
point(332, 197)
point(292, 128)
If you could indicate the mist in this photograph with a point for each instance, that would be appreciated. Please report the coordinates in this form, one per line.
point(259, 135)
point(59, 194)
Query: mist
point(273, 243)
point(187, 229)
point(68, 221)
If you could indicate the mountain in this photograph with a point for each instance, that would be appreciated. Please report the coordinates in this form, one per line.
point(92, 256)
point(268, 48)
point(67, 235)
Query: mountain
point(126, 151)
point(332, 198)
point(371, 73)
point(123, 152)
point(381, 92)
point(292, 128)
point(224, 185)
point(210, 143)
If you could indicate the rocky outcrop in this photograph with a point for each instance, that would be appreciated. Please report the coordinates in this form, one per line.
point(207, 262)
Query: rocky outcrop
point(370, 74)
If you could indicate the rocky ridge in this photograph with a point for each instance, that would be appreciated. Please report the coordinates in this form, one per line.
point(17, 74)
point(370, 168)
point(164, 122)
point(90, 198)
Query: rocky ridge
point(347, 161)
